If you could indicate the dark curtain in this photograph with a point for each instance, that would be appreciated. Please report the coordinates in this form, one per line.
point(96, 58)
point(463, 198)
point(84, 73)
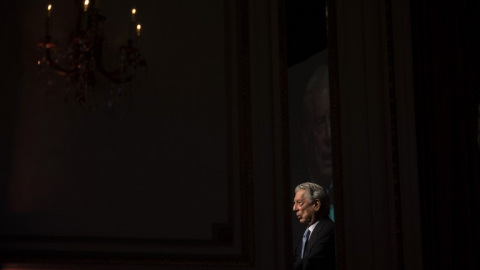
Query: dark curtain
point(446, 61)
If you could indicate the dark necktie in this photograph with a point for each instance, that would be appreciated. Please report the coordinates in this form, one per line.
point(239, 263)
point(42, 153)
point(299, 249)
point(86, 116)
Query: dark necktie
point(305, 240)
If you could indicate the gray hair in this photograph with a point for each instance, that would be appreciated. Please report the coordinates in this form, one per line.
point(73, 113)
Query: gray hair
point(315, 192)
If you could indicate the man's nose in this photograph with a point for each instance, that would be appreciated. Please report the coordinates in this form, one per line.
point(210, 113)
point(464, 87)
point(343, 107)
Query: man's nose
point(294, 207)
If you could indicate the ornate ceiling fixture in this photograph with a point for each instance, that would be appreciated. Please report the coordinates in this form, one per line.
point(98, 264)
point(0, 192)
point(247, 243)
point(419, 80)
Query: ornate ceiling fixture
point(83, 61)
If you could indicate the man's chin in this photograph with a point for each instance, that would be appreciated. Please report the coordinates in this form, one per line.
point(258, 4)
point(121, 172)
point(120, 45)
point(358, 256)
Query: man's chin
point(304, 221)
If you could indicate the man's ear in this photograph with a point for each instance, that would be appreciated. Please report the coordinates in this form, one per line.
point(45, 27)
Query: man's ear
point(317, 205)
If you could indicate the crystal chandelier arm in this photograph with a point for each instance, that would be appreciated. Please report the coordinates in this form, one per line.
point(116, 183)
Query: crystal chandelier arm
point(55, 66)
point(131, 59)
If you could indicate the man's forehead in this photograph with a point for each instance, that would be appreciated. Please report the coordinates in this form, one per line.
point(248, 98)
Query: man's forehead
point(299, 194)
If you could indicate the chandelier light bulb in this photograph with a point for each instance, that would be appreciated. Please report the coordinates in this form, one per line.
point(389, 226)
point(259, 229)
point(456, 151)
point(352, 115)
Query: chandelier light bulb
point(85, 5)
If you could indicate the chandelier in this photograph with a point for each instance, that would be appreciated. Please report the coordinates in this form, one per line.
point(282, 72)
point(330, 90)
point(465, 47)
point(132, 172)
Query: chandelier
point(83, 63)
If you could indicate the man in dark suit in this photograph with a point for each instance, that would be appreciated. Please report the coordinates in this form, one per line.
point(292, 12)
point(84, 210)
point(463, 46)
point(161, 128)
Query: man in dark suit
point(316, 250)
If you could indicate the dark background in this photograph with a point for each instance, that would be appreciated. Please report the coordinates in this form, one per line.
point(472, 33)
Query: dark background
point(306, 27)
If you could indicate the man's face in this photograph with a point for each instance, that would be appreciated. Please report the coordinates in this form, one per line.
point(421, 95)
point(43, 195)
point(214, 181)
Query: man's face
point(305, 210)
point(318, 139)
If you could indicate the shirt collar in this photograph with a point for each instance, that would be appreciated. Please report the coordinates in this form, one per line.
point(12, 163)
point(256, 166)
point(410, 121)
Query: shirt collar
point(311, 228)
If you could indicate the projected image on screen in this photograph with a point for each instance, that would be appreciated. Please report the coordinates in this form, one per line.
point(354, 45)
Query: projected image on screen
point(309, 99)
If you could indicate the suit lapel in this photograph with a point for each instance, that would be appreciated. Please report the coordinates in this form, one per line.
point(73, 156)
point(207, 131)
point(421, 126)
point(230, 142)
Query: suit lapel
point(314, 235)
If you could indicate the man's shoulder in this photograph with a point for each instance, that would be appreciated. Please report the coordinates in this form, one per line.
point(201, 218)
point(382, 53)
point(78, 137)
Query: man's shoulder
point(324, 225)
point(326, 221)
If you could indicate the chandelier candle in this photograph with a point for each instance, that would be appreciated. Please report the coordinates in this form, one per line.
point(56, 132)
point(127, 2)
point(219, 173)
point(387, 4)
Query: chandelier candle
point(133, 24)
point(47, 21)
point(139, 29)
point(84, 22)
point(134, 11)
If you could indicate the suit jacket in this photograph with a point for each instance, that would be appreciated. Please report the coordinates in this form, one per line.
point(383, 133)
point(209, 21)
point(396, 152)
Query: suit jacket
point(320, 249)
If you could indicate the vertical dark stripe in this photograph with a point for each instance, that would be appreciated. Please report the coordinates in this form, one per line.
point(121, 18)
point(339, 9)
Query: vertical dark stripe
point(394, 138)
point(336, 133)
